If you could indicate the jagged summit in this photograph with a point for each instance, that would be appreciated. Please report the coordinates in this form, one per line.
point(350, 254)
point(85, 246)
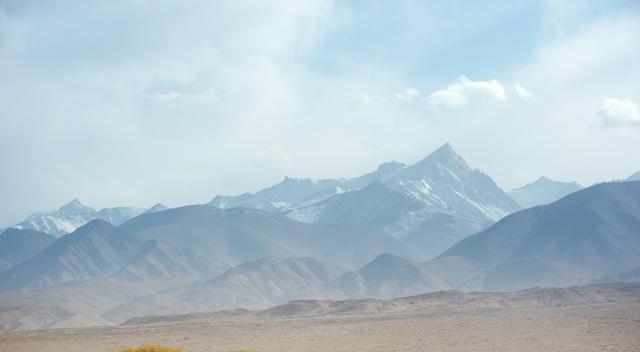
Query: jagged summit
point(445, 153)
point(74, 207)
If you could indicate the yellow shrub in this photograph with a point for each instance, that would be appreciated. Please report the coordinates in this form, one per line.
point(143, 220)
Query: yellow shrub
point(152, 348)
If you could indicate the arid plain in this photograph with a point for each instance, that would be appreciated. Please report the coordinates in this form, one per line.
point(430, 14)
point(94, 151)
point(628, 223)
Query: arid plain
point(536, 320)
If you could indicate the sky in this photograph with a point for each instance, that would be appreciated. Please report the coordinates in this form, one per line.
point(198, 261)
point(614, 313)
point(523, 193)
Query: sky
point(139, 102)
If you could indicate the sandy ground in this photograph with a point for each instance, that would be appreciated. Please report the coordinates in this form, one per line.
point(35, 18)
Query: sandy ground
point(599, 328)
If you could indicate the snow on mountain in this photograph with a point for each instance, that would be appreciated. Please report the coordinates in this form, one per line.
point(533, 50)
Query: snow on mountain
point(289, 194)
point(431, 204)
point(293, 193)
point(72, 215)
point(445, 182)
point(457, 201)
point(634, 177)
point(375, 205)
point(543, 191)
point(383, 173)
point(118, 215)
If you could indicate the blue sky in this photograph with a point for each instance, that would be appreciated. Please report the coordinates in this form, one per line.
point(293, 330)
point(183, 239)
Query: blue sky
point(434, 41)
point(138, 102)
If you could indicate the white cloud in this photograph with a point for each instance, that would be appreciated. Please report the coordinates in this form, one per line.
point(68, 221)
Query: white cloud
point(464, 91)
point(522, 92)
point(408, 94)
point(201, 85)
point(620, 112)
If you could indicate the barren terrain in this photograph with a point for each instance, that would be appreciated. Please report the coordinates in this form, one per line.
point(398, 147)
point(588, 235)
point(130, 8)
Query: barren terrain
point(597, 318)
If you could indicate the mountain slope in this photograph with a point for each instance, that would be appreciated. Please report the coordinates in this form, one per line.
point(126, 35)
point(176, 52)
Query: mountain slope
point(634, 177)
point(293, 193)
point(156, 260)
point(383, 173)
point(156, 208)
point(99, 250)
point(375, 205)
point(445, 182)
point(252, 285)
point(269, 281)
point(628, 276)
point(446, 302)
point(233, 236)
point(264, 282)
point(18, 245)
point(59, 222)
point(72, 304)
point(542, 191)
point(117, 215)
point(388, 276)
point(582, 237)
point(95, 250)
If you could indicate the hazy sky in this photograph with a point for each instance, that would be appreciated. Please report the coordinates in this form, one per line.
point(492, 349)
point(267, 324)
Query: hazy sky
point(137, 102)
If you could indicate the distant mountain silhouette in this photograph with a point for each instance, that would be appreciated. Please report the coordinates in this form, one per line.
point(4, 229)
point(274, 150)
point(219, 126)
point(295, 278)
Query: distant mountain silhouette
point(542, 191)
point(582, 237)
point(73, 215)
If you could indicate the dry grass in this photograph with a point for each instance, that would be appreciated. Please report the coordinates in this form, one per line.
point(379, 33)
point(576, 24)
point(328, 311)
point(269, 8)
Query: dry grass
point(152, 348)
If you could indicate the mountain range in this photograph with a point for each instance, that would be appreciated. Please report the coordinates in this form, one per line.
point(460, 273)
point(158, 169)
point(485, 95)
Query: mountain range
point(431, 204)
point(578, 239)
point(193, 242)
point(74, 214)
point(398, 231)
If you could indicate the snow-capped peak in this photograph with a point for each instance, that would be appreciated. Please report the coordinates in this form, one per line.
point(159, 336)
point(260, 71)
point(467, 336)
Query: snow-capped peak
point(74, 214)
point(444, 155)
